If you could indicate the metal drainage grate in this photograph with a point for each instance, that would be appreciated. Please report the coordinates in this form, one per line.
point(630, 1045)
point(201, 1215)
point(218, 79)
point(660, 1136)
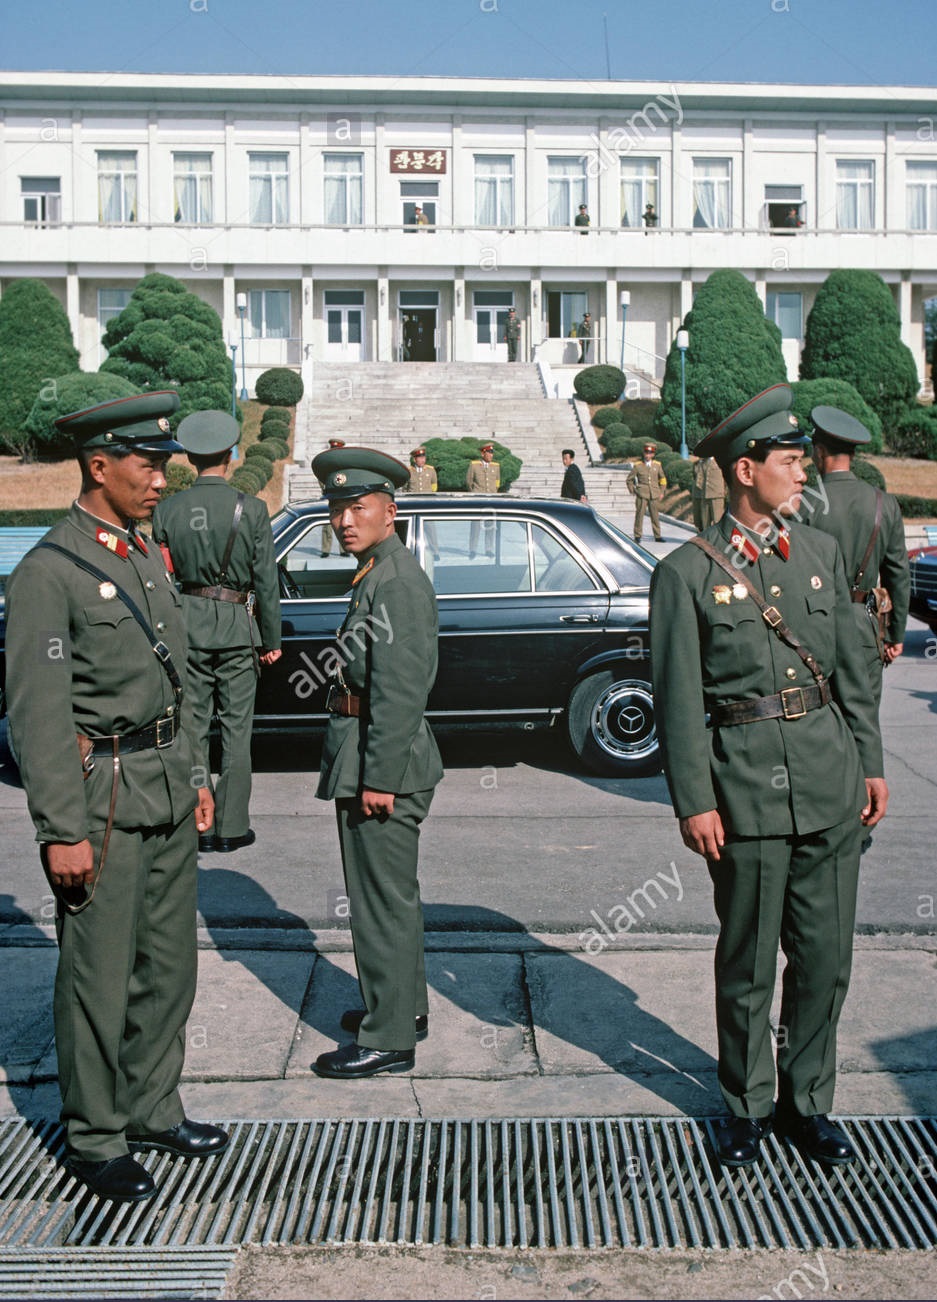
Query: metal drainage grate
point(115, 1273)
point(534, 1182)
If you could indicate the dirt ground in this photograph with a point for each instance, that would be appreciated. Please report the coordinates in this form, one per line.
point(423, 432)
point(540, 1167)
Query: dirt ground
point(44, 485)
point(429, 1272)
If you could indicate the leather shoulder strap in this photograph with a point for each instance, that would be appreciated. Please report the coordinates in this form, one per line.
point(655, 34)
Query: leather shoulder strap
point(159, 649)
point(770, 614)
point(876, 527)
point(229, 545)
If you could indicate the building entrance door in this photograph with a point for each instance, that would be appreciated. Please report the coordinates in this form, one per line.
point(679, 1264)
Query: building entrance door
point(344, 334)
point(418, 334)
point(490, 345)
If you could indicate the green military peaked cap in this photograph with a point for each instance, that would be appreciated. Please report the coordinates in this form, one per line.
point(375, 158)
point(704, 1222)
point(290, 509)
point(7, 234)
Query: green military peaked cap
point(207, 433)
point(345, 473)
point(766, 419)
point(140, 423)
point(832, 426)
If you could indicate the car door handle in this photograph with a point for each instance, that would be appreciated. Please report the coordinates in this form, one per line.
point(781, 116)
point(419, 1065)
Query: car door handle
point(579, 619)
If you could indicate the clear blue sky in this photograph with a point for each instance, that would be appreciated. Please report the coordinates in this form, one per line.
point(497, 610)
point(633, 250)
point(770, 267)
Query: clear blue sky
point(822, 41)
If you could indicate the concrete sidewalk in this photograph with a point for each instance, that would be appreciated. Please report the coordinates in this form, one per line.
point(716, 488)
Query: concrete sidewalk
point(520, 1025)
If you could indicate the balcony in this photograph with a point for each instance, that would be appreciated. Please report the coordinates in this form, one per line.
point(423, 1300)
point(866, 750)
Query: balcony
point(48, 249)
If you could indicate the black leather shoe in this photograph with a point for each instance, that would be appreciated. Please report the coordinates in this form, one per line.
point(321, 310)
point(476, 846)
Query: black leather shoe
point(225, 844)
point(187, 1139)
point(738, 1139)
point(119, 1178)
point(818, 1138)
point(353, 1017)
point(206, 842)
point(354, 1060)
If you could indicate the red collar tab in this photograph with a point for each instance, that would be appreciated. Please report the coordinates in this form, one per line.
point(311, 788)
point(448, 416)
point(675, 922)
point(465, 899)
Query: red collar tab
point(365, 569)
point(783, 544)
point(111, 542)
point(744, 546)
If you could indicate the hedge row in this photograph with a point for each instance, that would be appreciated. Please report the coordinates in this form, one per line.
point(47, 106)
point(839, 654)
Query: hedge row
point(20, 519)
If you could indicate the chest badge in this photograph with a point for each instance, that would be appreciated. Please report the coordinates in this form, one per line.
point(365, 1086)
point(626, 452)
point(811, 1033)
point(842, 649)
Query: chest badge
point(739, 591)
point(722, 594)
point(108, 591)
point(816, 582)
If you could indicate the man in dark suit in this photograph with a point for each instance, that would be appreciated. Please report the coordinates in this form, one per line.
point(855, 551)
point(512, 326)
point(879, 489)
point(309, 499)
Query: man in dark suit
point(380, 762)
point(759, 685)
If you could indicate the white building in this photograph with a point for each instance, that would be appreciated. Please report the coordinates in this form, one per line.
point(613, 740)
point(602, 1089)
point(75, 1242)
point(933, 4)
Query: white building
point(296, 197)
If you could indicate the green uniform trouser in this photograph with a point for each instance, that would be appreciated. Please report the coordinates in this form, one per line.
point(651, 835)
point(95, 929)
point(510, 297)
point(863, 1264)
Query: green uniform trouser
point(800, 890)
point(225, 682)
point(124, 988)
point(379, 858)
point(652, 506)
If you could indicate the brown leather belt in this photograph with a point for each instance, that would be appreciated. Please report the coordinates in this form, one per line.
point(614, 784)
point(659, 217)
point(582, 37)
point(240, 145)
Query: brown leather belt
point(792, 703)
point(341, 701)
point(859, 596)
point(216, 593)
point(155, 736)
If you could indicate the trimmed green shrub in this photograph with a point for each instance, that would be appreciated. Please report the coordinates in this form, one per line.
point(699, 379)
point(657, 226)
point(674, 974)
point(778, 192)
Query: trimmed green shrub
point(854, 333)
point(452, 457)
point(606, 416)
point(246, 481)
point(34, 516)
point(616, 444)
point(916, 508)
point(260, 468)
point(866, 471)
point(35, 346)
point(266, 451)
point(178, 478)
point(640, 415)
point(280, 387)
point(680, 475)
point(72, 392)
point(734, 352)
point(277, 413)
point(599, 384)
point(167, 338)
point(278, 450)
point(915, 434)
point(275, 429)
point(827, 392)
point(617, 429)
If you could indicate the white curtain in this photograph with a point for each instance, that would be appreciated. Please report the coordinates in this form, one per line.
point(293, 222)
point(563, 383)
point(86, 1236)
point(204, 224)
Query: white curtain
point(566, 190)
point(854, 195)
point(494, 190)
point(711, 193)
point(922, 196)
point(344, 191)
point(193, 189)
point(638, 187)
point(117, 187)
point(269, 196)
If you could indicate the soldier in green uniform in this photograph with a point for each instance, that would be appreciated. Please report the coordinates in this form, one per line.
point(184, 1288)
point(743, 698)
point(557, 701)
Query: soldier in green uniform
point(709, 493)
point(856, 514)
point(231, 603)
point(647, 483)
point(380, 763)
point(95, 722)
point(512, 333)
point(774, 763)
point(483, 476)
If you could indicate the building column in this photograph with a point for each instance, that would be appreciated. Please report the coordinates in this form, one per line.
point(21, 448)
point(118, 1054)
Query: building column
point(306, 204)
point(379, 188)
point(73, 312)
point(307, 314)
point(686, 293)
point(678, 215)
point(904, 312)
point(825, 215)
point(610, 327)
point(531, 215)
point(536, 308)
point(229, 315)
point(77, 213)
point(385, 337)
point(153, 162)
point(750, 202)
point(231, 207)
point(761, 287)
point(459, 310)
point(892, 217)
point(457, 190)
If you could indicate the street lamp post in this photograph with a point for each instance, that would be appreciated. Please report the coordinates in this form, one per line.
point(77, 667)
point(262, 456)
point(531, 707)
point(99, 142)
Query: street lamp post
point(234, 378)
point(683, 343)
point(241, 301)
point(624, 299)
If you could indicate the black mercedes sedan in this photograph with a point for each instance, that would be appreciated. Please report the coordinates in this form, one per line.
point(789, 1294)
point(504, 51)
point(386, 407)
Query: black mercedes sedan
point(543, 621)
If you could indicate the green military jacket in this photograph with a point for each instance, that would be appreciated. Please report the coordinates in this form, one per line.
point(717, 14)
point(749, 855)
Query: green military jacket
point(647, 480)
point(195, 525)
point(849, 515)
point(388, 649)
point(710, 646)
point(77, 661)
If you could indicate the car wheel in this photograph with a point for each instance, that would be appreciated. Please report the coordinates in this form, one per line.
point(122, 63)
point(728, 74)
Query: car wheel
point(610, 724)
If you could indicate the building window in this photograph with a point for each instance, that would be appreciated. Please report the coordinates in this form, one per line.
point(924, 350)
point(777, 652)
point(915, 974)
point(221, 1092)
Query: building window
point(787, 312)
point(922, 196)
point(784, 207)
point(270, 189)
point(192, 189)
point(111, 302)
point(344, 189)
point(42, 200)
point(855, 194)
point(494, 189)
point(269, 313)
point(639, 187)
point(566, 189)
point(117, 187)
point(712, 193)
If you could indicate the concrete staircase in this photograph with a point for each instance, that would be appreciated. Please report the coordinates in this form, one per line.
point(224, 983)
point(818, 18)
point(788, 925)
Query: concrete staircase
point(396, 406)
